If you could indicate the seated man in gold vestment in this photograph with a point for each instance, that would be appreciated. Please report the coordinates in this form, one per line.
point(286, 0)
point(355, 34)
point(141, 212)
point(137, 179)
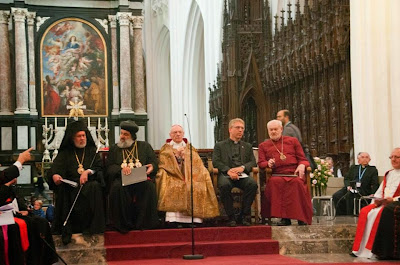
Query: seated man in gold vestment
point(173, 182)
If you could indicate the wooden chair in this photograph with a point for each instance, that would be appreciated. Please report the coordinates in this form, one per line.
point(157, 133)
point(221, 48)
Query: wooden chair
point(268, 174)
point(238, 192)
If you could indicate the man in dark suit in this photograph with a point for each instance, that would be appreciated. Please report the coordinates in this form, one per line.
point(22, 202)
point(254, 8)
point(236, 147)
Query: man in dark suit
point(234, 160)
point(361, 180)
point(12, 172)
point(289, 129)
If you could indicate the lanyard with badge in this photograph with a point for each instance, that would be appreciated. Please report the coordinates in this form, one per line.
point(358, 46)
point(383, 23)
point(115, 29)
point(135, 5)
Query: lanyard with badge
point(360, 176)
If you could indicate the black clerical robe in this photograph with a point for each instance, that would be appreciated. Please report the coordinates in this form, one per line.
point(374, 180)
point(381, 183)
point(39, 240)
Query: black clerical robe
point(8, 174)
point(133, 206)
point(387, 239)
point(38, 252)
point(88, 213)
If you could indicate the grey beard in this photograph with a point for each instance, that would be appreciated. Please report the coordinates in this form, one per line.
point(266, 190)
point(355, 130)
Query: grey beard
point(125, 144)
point(80, 146)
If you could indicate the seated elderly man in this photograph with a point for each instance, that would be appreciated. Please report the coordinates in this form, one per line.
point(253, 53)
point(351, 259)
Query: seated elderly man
point(77, 161)
point(132, 206)
point(365, 182)
point(337, 173)
point(377, 228)
point(285, 197)
point(173, 182)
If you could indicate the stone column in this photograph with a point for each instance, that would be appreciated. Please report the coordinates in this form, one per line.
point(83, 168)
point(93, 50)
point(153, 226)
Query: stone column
point(5, 66)
point(31, 53)
point(125, 63)
point(21, 69)
point(138, 70)
point(114, 63)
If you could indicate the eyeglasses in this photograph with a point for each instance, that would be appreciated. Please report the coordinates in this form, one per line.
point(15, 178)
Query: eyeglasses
point(394, 157)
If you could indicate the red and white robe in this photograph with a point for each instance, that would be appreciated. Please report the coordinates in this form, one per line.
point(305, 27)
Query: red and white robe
point(369, 217)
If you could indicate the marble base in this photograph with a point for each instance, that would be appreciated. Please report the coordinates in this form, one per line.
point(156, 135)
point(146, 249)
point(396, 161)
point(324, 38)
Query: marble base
point(314, 239)
point(83, 249)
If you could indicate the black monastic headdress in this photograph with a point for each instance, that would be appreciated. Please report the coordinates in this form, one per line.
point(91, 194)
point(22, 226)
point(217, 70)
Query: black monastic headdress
point(131, 127)
point(72, 128)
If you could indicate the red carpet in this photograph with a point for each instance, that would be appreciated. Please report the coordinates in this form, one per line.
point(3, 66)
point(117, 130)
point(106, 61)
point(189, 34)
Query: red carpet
point(174, 243)
point(273, 259)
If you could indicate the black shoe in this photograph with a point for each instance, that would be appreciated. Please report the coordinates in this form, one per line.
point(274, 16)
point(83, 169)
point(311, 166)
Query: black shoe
point(301, 223)
point(246, 221)
point(232, 223)
point(284, 222)
point(352, 254)
point(66, 238)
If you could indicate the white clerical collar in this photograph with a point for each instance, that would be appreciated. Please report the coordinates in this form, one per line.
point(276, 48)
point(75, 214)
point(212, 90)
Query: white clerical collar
point(176, 145)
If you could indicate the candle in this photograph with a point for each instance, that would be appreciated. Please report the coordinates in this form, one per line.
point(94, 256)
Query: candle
point(88, 123)
point(55, 123)
point(65, 122)
point(45, 122)
point(106, 124)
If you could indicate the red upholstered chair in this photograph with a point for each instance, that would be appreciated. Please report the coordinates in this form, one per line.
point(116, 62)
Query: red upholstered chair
point(268, 174)
point(238, 193)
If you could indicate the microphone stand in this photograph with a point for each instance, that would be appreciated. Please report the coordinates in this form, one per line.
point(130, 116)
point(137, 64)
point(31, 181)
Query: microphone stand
point(191, 256)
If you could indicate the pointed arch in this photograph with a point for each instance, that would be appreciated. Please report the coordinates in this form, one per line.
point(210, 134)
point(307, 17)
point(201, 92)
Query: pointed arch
point(193, 76)
point(254, 90)
point(160, 107)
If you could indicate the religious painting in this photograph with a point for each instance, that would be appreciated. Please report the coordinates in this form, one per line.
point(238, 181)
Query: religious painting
point(73, 61)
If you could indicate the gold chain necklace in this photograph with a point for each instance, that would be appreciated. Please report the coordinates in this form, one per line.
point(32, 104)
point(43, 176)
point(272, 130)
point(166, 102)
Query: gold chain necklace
point(129, 156)
point(80, 164)
point(281, 155)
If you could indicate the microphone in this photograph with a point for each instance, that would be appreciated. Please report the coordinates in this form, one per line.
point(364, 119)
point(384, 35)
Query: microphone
point(187, 121)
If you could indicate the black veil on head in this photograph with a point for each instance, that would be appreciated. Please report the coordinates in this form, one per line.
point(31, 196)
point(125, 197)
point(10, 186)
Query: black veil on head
point(72, 128)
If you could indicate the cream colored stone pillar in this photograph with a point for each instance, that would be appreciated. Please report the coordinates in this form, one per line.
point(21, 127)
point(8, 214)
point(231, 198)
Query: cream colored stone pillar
point(138, 70)
point(114, 63)
point(5, 66)
point(21, 69)
point(125, 63)
point(31, 17)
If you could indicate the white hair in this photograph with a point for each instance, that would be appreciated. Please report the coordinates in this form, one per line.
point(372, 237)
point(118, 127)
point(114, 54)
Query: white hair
point(274, 122)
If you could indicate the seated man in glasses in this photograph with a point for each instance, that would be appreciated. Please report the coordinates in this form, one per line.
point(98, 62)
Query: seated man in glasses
point(361, 180)
point(379, 223)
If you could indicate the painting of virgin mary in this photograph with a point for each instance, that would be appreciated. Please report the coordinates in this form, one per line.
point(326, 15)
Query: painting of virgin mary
point(73, 59)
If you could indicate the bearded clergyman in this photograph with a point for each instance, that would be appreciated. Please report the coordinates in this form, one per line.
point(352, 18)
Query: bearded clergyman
point(133, 206)
point(77, 161)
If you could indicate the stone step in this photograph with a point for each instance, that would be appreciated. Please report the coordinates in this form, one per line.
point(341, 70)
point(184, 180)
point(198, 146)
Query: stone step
point(315, 238)
point(83, 249)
